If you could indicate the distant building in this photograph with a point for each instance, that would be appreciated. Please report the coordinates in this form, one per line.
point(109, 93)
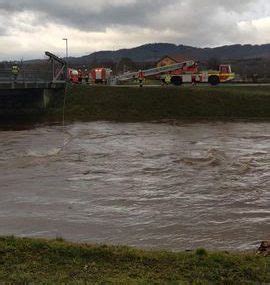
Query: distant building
point(172, 59)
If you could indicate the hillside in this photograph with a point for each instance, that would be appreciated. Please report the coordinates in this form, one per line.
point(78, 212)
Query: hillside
point(247, 61)
point(153, 52)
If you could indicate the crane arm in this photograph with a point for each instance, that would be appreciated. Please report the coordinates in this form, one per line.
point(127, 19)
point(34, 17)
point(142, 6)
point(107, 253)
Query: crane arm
point(155, 71)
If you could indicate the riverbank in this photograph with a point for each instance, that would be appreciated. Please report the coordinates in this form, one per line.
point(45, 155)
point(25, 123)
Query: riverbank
point(91, 103)
point(134, 104)
point(56, 261)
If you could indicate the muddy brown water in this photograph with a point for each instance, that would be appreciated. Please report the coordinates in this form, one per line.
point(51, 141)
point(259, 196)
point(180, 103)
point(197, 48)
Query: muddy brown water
point(146, 185)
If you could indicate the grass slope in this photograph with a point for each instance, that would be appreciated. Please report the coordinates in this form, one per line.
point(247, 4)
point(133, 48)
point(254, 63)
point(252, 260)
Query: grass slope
point(58, 262)
point(89, 103)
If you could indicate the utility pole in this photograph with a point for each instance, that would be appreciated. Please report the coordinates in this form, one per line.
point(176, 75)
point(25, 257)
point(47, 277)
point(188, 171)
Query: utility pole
point(66, 40)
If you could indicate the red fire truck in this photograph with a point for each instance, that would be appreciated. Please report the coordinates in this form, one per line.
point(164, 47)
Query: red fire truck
point(101, 75)
point(73, 75)
point(185, 72)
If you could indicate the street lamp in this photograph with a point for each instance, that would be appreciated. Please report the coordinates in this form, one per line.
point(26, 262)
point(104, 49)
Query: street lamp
point(66, 40)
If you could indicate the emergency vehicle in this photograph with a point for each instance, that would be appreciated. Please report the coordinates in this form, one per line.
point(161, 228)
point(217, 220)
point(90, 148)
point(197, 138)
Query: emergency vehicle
point(73, 75)
point(101, 75)
point(185, 72)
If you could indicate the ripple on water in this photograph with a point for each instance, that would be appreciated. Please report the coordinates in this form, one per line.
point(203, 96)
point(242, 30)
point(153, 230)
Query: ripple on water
point(148, 185)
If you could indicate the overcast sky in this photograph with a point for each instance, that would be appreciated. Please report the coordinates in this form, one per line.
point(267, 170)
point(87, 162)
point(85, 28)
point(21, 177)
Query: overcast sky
point(29, 27)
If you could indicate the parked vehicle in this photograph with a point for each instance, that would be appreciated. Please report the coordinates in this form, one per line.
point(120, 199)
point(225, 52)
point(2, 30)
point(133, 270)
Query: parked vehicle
point(185, 72)
point(73, 75)
point(101, 75)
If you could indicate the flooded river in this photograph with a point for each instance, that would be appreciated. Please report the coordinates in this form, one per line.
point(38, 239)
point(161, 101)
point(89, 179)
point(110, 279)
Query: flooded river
point(146, 185)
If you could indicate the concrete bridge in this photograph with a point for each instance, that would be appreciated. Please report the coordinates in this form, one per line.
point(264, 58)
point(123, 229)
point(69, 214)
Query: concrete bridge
point(39, 84)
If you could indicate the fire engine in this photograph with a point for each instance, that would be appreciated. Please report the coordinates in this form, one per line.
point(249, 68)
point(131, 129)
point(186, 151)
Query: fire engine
point(184, 72)
point(73, 75)
point(101, 75)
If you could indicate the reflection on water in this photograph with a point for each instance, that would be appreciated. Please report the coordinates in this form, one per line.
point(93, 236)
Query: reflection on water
point(147, 185)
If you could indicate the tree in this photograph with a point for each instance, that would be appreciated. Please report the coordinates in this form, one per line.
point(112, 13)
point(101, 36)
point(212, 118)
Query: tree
point(213, 63)
point(125, 65)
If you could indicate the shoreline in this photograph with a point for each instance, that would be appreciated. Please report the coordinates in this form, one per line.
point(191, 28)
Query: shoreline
point(42, 261)
point(24, 125)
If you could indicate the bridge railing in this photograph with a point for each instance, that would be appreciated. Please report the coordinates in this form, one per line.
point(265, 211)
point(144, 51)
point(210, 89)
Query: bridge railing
point(26, 75)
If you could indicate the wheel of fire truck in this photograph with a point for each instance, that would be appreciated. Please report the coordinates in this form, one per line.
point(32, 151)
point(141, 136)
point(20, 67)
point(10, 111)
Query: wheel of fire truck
point(176, 80)
point(214, 80)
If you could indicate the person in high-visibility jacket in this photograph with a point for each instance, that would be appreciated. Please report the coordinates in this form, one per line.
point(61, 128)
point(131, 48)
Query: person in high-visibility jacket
point(167, 79)
point(15, 71)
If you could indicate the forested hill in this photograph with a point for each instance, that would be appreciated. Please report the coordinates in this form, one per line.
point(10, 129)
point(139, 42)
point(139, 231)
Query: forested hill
point(246, 60)
point(153, 52)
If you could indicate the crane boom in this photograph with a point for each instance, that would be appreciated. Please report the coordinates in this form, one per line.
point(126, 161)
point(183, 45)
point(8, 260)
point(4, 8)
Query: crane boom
point(59, 66)
point(155, 71)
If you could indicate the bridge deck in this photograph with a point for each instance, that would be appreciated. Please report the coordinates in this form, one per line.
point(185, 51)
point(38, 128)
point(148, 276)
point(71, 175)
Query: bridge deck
point(4, 85)
point(28, 78)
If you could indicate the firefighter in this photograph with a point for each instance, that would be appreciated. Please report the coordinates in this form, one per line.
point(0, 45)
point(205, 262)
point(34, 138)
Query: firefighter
point(15, 71)
point(86, 75)
point(167, 79)
point(194, 81)
point(80, 75)
point(140, 78)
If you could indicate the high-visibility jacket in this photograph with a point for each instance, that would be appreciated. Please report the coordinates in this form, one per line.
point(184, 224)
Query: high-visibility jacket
point(167, 79)
point(15, 69)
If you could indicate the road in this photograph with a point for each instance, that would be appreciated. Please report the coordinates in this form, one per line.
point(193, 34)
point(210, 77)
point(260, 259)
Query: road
point(185, 85)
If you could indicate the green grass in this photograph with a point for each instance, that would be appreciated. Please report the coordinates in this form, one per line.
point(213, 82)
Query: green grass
point(134, 104)
point(90, 103)
point(34, 261)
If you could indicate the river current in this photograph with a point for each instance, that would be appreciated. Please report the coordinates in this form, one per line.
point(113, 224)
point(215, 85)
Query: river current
point(147, 185)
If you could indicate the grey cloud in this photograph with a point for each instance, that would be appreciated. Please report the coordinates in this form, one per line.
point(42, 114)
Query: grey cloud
point(2, 31)
point(194, 22)
point(86, 17)
point(82, 14)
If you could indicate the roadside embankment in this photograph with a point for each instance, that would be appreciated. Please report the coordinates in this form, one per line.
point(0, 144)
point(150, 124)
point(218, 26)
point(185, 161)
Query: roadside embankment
point(134, 104)
point(89, 103)
point(37, 261)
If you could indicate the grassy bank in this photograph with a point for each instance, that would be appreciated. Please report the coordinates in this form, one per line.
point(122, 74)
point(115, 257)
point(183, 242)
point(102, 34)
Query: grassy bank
point(54, 262)
point(150, 103)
